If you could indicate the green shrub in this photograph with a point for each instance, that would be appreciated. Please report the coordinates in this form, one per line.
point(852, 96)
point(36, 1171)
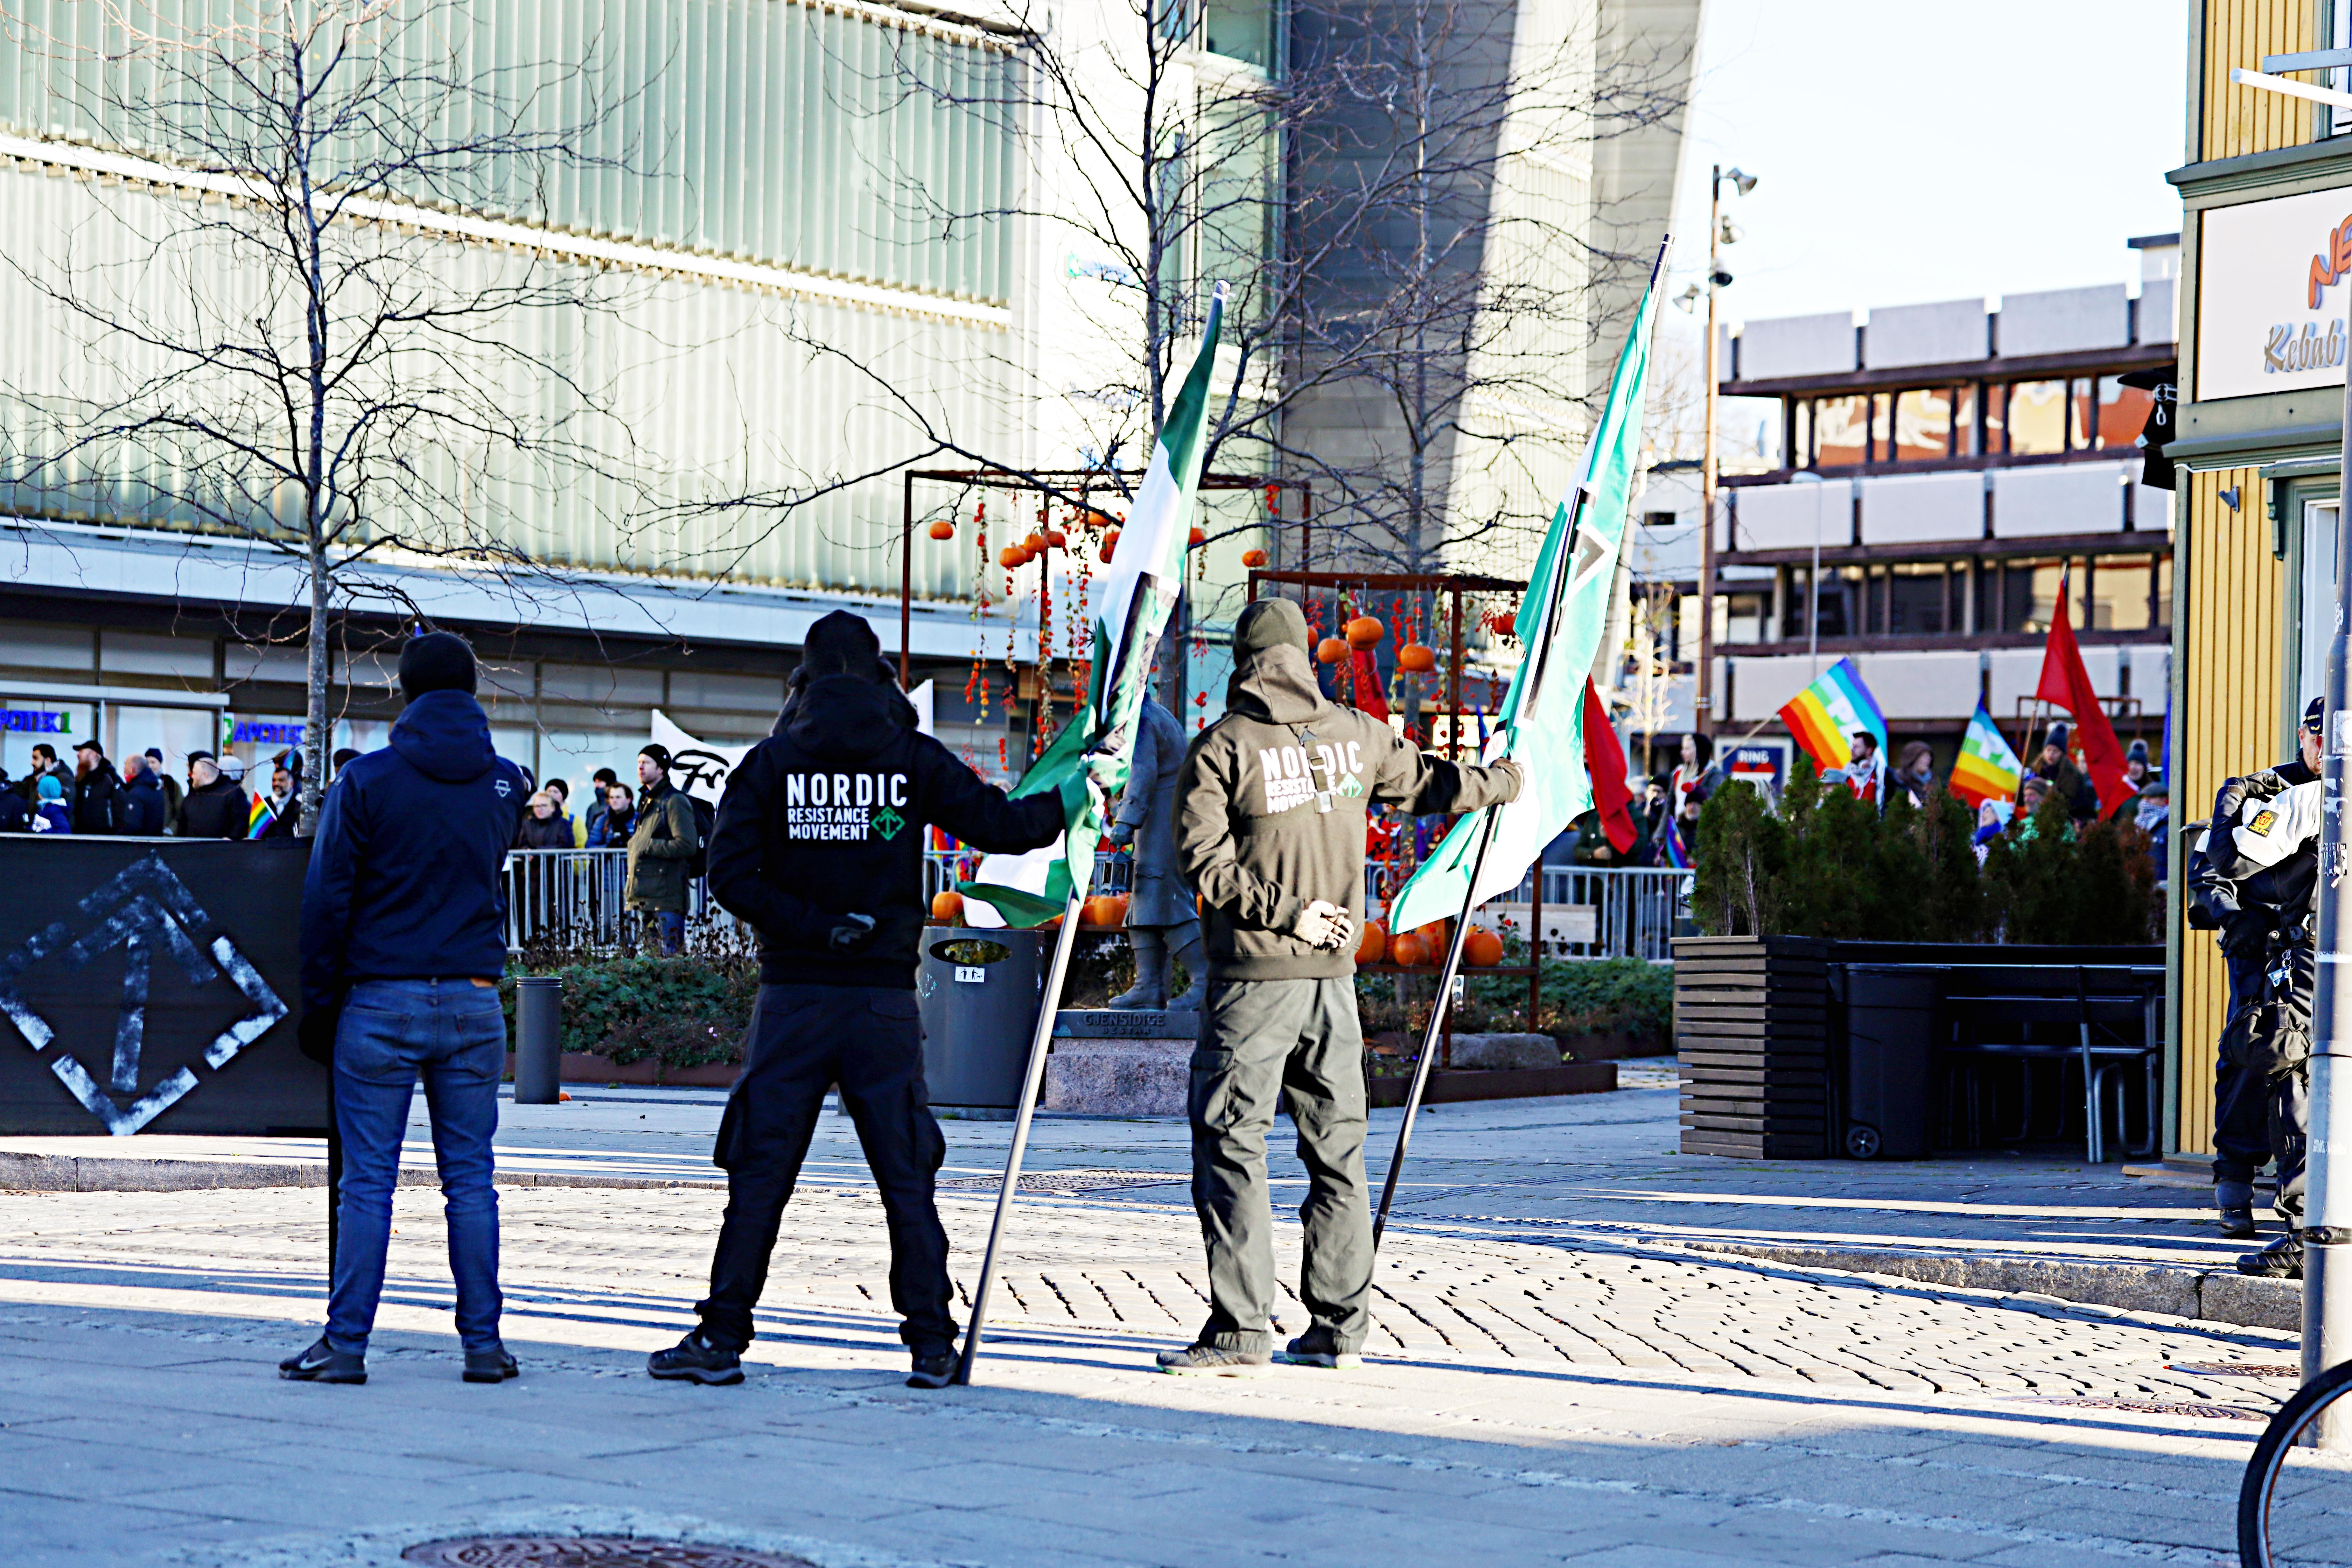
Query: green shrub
point(687, 1011)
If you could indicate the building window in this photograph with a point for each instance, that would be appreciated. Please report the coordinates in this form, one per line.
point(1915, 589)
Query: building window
point(1922, 424)
point(2164, 592)
point(1996, 420)
point(1841, 431)
point(2122, 413)
point(1917, 600)
point(1801, 434)
point(2030, 594)
point(2037, 418)
point(2121, 588)
point(1964, 421)
point(1745, 617)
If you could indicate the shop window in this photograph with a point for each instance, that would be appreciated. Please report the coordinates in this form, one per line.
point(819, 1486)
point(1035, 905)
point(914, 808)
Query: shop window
point(1841, 431)
point(1964, 421)
point(2037, 418)
point(1922, 424)
point(1916, 600)
point(2122, 414)
point(2120, 586)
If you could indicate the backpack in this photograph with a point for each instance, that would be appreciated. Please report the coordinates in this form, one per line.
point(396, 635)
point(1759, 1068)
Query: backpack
point(705, 823)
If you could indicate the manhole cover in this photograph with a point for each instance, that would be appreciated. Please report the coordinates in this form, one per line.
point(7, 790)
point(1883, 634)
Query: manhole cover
point(588, 1552)
point(2163, 1407)
point(2236, 1369)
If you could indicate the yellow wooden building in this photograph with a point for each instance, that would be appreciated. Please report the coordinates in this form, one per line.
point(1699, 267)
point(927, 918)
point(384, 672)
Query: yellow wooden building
point(2266, 261)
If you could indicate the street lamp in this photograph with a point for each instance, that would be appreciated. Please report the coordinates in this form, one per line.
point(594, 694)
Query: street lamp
point(1720, 232)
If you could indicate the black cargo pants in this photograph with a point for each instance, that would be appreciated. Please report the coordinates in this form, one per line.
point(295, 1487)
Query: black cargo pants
point(1260, 1039)
point(803, 1039)
point(2241, 1143)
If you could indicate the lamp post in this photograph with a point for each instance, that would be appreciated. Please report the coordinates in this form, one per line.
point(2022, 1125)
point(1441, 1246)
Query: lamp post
point(1718, 233)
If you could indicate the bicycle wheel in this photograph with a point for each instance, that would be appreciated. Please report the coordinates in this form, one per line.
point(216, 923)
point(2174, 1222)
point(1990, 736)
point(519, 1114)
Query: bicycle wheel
point(2295, 1507)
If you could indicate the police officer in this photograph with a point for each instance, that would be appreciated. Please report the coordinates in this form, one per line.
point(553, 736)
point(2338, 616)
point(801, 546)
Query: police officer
point(2259, 885)
point(819, 848)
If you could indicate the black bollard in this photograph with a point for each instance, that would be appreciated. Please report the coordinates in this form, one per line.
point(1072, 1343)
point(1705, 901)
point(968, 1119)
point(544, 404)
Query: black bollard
point(539, 1038)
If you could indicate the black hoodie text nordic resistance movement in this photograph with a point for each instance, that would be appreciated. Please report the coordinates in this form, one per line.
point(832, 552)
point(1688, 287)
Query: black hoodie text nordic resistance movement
point(825, 817)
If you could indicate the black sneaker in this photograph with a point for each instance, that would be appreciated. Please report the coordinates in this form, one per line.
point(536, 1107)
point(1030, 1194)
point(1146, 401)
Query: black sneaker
point(324, 1364)
point(490, 1365)
point(1317, 1348)
point(695, 1359)
point(932, 1369)
point(1210, 1360)
point(2234, 1201)
point(2282, 1259)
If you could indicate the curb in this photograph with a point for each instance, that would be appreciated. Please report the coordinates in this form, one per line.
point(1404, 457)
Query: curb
point(77, 1173)
point(2207, 1296)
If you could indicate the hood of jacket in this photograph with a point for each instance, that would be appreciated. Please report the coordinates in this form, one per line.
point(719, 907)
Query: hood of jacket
point(144, 780)
point(1272, 678)
point(446, 736)
point(845, 718)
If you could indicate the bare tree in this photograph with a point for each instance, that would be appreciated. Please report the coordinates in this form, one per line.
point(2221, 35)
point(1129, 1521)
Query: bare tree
point(283, 341)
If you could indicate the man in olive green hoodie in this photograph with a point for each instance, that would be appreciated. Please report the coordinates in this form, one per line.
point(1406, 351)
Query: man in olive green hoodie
point(1270, 831)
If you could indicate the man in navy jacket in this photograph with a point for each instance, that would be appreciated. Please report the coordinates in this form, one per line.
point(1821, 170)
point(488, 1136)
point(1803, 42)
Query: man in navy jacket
point(403, 938)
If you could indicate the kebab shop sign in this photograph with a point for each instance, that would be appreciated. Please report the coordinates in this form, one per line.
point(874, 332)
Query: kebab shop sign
point(2272, 281)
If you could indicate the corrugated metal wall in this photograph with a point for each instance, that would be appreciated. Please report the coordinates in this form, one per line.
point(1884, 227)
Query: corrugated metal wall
point(2236, 119)
point(2227, 724)
point(712, 392)
point(862, 143)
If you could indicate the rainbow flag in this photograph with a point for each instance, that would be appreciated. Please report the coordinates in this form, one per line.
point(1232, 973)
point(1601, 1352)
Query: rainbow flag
point(1672, 852)
point(259, 818)
point(1823, 714)
point(1986, 769)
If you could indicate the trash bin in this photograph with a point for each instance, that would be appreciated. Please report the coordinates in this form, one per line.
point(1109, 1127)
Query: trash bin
point(979, 992)
point(1884, 1070)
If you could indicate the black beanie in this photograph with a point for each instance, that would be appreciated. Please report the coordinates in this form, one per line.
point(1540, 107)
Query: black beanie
point(436, 662)
point(840, 644)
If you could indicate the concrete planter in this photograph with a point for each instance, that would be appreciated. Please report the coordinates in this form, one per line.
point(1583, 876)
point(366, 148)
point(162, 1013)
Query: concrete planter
point(1526, 1083)
point(582, 1067)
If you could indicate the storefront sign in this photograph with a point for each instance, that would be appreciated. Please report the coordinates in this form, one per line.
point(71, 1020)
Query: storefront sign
point(2271, 280)
point(265, 732)
point(1757, 766)
point(30, 722)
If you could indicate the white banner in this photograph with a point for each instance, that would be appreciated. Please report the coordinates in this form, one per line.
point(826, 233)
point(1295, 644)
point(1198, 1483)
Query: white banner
point(701, 768)
point(2271, 278)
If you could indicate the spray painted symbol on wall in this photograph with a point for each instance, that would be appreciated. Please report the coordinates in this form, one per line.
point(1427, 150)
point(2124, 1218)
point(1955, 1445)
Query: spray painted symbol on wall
point(142, 908)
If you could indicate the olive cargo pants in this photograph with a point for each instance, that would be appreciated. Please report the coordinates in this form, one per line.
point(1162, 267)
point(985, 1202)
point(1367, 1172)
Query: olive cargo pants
point(1258, 1040)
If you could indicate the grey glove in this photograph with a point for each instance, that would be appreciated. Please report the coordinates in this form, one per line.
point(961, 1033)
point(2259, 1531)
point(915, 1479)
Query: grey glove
point(852, 933)
point(1120, 833)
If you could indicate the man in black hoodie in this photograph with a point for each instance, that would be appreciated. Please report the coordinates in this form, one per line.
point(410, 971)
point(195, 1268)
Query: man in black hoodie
point(403, 938)
point(95, 787)
point(819, 847)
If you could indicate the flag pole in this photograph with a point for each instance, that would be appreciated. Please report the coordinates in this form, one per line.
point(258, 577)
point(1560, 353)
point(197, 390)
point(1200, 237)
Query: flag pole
point(1437, 1011)
point(1039, 1043)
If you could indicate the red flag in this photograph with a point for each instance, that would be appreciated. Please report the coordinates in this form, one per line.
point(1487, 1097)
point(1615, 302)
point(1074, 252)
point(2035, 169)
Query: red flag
point(1366, 679)
point(1604, 759)
point(2066, 684)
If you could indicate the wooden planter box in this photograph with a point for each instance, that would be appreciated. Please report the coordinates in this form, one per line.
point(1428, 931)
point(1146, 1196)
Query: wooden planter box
point(1516, 1083)
point(1751, 1029)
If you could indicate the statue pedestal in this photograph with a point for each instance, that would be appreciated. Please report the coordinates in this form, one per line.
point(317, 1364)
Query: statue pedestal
point(1114, 1062)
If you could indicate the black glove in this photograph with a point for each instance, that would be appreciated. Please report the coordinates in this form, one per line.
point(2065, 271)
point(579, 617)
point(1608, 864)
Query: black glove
point(850, 932)
point(2265, 784)
point(315, 1033)
point(2227, 802)
point(2244, 932)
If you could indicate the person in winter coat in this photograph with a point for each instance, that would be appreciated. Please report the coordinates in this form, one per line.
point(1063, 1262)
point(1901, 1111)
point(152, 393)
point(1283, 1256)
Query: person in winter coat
point(95, 785)
point(214, 806)
point(819, 848)
point(615, 819)
point(50, 815)
point(168, 784)
point(598, 802)
point(544, 827)
point(1915, 774)
point(1163, 923)
point(2262, 847)
point(141, 808)
point(44, 760)
point(1271, 830)
point(404, 939)
point(285, 802)
point(16, 816)
point(2053, 764)
point(560, 792)
point(663, 840)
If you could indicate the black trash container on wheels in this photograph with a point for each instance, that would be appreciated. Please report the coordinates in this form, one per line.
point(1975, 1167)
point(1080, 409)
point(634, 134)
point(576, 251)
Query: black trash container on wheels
point(1884, 1068)
point(977, 991)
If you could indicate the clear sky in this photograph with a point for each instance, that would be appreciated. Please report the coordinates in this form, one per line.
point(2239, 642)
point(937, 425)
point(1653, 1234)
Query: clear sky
point(1918, 149)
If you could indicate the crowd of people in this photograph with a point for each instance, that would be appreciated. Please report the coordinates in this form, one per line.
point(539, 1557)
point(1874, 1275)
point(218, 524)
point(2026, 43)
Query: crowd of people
point(657, 823)
point(141, 798)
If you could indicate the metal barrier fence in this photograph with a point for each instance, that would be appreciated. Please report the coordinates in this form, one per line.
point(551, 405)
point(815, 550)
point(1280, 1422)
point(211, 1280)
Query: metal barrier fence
point(1589, 911)
point(576, 898)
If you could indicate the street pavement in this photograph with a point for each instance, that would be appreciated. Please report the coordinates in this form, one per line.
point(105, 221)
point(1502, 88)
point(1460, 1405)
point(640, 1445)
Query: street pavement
point(1557, 1375)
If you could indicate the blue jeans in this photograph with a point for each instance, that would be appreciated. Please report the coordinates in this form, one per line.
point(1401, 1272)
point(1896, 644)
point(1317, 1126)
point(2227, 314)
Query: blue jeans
point(665, 931)
point(454, 1033)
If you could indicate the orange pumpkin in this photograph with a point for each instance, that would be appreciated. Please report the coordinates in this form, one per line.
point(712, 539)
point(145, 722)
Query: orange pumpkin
point(947, 906)
point(1373, 942)
point(1482, 949)
point(1505, 622)
point(1415, 659)
point(1365, 632)
point(1110, 544)
point(1057, 539)
point(1331, 650)
point(1033, 544)
point(943, 529)
point(1012, 557)
point(1408, 951)
point(1436, 937)
point(1196, 539)
point(1115, 909)
point(1253, 557)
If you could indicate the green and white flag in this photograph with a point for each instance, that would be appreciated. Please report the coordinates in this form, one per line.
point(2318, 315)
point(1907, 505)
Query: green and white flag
point(1561, 620)
point(1137, 590)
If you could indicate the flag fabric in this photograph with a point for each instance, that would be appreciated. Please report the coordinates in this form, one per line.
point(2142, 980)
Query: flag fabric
point(259, 816)
point(1604, 759)
point(1825, 714)
point(2066, 684)
point(1132, 599)
point(1986, 769)
point(1561, 619)
point(1672, 851)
